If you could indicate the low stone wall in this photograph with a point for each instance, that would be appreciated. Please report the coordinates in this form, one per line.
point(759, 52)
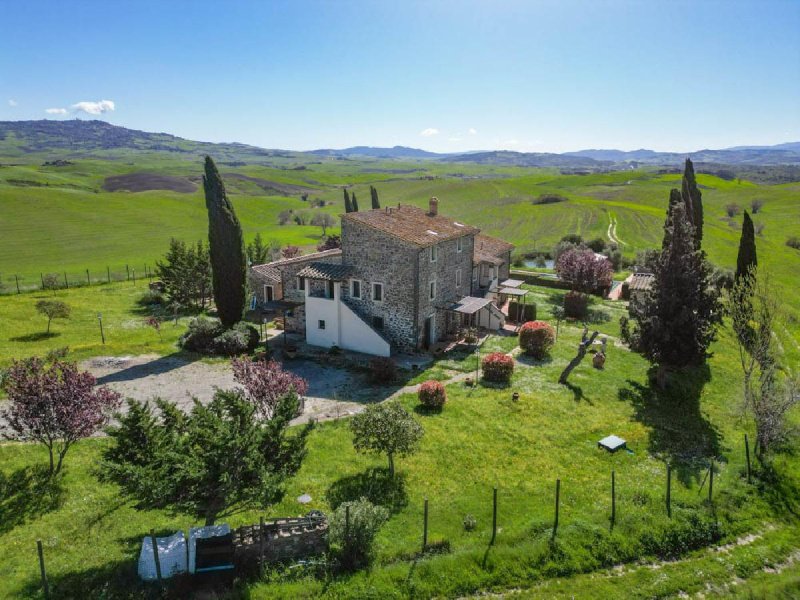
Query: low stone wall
point(284, 539)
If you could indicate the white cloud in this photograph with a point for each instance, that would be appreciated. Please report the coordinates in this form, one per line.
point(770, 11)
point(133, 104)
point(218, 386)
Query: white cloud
point(454, 139)
point(472, 131)
point(94, 108)
point(429, 132)
point(55, 111)
point(12, 102)
point(512, 142)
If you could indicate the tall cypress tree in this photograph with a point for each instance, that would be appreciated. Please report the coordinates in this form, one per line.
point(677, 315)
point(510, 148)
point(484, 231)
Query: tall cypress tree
point(226, 249)
point(675, 197)
point(678, 316)
point(374, 196)
point(747, 258)
point(348, 205)
point(693, 199)
point(354, 202)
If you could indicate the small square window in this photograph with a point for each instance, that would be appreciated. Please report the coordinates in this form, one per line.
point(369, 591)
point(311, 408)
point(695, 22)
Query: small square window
point(377, 322)
point(301, 283)
point(355, 288)
point(320, 324)
point(377, 292)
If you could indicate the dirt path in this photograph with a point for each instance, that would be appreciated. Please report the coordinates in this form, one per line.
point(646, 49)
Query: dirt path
point(612, 230)
point(331, 391)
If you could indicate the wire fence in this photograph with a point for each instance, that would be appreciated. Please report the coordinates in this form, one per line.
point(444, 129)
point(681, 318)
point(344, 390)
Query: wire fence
point(63, 279)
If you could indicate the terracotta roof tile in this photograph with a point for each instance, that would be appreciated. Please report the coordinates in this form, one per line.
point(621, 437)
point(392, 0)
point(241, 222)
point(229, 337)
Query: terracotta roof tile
point(328, 271)
point(412, 224)
point(491, 245)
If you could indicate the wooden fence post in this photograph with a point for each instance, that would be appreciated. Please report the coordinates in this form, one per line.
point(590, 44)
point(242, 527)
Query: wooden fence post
point(88, 280)
point(134, 276)
point(494, 516)
point(17, 280)
point(669, 490)
point(45, 585)
point(41, 275)
point(425, 527)
point(261, 540)
point(558, 498)
point(711, 481)
point(613, 498)
point(66, 283)
point(108, 274)
point(747, 454)
point(155, 554)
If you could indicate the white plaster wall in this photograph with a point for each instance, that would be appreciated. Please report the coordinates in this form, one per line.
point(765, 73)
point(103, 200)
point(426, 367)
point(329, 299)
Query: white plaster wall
point(360, 337)
point(326, 310)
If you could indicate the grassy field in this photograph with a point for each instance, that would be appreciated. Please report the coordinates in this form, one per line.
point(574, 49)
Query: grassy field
point(480, 441)
point(60, 219)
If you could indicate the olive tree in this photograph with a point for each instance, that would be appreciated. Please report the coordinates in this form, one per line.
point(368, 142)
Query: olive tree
point(53, 309)
point(386, 428)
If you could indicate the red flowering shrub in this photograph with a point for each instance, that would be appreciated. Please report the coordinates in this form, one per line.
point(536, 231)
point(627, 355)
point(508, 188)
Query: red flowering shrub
point(432, 394)
point(536, 338)
point(265, 383)
point(382, 370)
point(497, 367)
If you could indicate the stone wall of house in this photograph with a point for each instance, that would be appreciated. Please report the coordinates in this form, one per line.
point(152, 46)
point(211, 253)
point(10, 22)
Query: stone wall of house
point(256, 282)
point(377, 257)
point(449, 261)
point(296, 318)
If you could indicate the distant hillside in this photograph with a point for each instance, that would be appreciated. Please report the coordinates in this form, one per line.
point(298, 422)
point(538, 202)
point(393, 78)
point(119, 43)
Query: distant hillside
point(50, 140)
point(394, 152)
point(527, 159)
point(78, 138)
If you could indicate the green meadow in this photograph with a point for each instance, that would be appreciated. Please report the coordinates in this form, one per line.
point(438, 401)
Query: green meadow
point(744, 543)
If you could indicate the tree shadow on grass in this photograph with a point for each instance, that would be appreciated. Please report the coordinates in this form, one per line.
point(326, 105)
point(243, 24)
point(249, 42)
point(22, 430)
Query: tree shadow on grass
point(27, 494)
point(35, 337)
point(577, 393)
point(375, 485)
point(681, 434)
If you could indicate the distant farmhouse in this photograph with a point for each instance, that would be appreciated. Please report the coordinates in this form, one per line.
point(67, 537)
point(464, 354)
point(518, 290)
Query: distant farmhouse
point(403, 280)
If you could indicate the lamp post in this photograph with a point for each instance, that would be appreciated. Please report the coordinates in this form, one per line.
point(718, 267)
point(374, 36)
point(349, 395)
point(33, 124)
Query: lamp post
point(477, 363)
point(266, 335)
point(102, 334)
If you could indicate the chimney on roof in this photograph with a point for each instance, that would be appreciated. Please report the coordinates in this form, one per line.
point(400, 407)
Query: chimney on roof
point(433, 209)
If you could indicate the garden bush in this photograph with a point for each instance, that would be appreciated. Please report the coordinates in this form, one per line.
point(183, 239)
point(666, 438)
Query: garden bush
point(351, 542)
point(793, 242)
point(382, 369)
point(576, 305)
point(536, 338)
point(432, 394)
point(497, 367)
point(210, 337)
point(151, 298)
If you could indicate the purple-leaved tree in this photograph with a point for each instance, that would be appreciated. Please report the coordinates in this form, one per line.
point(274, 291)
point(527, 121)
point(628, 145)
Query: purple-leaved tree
point(265, 383)
point(54, 404)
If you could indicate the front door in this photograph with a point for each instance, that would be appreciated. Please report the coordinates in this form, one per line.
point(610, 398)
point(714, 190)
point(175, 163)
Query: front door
point(268, 297)
point(427, 333)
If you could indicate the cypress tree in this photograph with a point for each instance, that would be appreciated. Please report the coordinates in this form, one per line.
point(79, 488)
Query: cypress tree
point(678, 316)
point(675, 197)
point(226, 249)
point(747, 258)
point(354, 202)
point(374, 195)
point(348, 205)
point(693, 199)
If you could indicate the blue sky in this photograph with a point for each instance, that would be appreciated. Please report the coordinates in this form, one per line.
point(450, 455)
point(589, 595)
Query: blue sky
point(446, 76)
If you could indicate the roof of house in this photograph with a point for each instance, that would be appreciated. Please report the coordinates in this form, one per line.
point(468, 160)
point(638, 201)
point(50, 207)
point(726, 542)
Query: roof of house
point(469, 305)
point(483, 257)
point(327, 271)
point(272, 270)
point(491, 245)
point(640, 282)
point(267, 271)
point(412, 224)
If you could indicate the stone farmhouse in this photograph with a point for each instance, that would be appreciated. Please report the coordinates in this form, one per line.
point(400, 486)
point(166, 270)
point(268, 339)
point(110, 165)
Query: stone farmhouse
point(403, 280)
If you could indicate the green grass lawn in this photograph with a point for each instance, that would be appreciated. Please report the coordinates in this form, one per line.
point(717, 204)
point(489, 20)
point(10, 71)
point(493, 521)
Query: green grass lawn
point(481, 440)
point(22, 332)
